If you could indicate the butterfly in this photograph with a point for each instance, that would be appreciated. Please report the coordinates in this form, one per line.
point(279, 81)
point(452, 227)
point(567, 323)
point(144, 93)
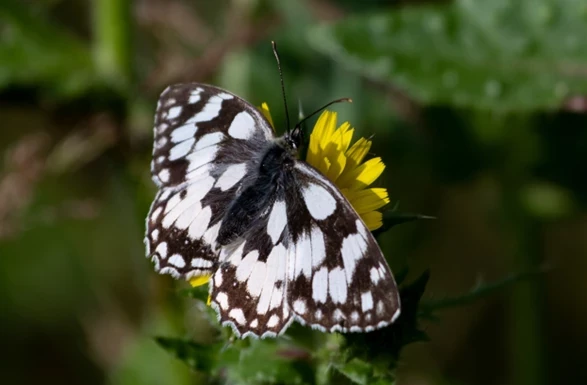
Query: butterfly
point(278, 239)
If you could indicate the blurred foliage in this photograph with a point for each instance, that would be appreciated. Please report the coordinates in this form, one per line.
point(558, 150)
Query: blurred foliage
point(478, 109)
point(502, 54)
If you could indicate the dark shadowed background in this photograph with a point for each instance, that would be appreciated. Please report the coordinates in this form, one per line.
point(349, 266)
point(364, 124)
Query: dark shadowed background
point(478, 108)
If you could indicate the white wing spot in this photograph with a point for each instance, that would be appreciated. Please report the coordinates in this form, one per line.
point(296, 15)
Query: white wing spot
point(273, 321)
point(162, 250)
point(156, 214)
point(320, 203)
point(242, 126)
point(303, 256)
point(177, 260)
point(184, 132)
point(245, 266)
point(254, 323)
point(162, 127)
point(200, 224)
point(271, 296)
point(231, 176)
point(195, 96)
point(201, 263)
point(353, 248)
point(222, 300)
point(238, 316)
point(299, 306)
point(209, 112)
point(337, 285)
point(277, 221)
point(161, 142)
point(164, 175)
point(318, 247)
point(320, 285)
point(174, 112)
point(374, 273)
point(218, 278)
point(160, 159)
point(209, 140)
point(257, 278)
point(338, 315)
point(181, 149)
point(202, 157)
point(211, 234)
point(155, 235)
point(318, 314)
point(366, 301)
point(225, 96)
point(354, 316)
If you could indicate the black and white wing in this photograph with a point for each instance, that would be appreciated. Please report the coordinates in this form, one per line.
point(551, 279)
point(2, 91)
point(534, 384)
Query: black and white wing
point(338, 278)
point(309, 257)
point(206, 141)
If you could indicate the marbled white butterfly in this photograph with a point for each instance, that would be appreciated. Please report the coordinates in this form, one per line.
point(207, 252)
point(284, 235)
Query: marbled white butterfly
point(280, 241)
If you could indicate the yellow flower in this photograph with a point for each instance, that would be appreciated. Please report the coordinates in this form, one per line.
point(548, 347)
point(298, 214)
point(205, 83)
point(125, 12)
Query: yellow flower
point(331, 153)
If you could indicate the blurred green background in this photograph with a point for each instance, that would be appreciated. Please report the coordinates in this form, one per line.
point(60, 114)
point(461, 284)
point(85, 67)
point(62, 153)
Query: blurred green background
point(478, 108)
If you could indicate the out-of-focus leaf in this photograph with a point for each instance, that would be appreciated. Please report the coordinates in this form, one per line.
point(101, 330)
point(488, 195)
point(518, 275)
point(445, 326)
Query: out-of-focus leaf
point(547, 200)
point(356, 370)
point(197, 356)
point(393, 218)
point(500, 54)
point(35, 52)
point(268, 362)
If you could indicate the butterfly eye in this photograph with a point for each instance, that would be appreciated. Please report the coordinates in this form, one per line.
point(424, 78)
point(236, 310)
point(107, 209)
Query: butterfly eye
point(296, 137)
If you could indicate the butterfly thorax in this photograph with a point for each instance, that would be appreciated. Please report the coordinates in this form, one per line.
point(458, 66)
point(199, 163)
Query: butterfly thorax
point(266, 184)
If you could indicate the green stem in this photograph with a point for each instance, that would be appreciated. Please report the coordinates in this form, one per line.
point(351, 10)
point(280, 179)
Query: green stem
point(112, 42)
point(522, 234)
point(479, 291)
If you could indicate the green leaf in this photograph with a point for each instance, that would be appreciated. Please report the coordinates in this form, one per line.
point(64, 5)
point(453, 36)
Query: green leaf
point(35, 52)
point(500, 54)
point(393, 218)
point(196, 356)
point(356, 370)
point(269, 361)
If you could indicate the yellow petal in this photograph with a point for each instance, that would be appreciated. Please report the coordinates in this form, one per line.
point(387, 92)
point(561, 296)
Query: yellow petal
point(323, 130)
point(267, 114)
point(357, 152)
point(199, 280)
point(373, 220)
point(346, 136)
point(338, 162)
point(363, 175)
point(209, 300)
point(369, 200)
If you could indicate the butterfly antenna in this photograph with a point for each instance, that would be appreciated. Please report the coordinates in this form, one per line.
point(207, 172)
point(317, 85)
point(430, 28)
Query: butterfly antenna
point(323, 107)
point(274, 45)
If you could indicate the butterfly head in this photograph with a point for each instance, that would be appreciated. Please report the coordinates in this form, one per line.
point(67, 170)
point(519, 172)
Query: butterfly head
point(294, 139)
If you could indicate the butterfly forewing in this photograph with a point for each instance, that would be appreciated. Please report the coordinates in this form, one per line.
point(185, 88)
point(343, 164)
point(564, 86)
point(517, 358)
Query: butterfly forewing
point(206, 144)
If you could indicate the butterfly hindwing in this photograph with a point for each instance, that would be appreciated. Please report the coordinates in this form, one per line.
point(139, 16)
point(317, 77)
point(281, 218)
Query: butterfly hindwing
point(207, 142)
point(339, 279)
point(307, 256)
